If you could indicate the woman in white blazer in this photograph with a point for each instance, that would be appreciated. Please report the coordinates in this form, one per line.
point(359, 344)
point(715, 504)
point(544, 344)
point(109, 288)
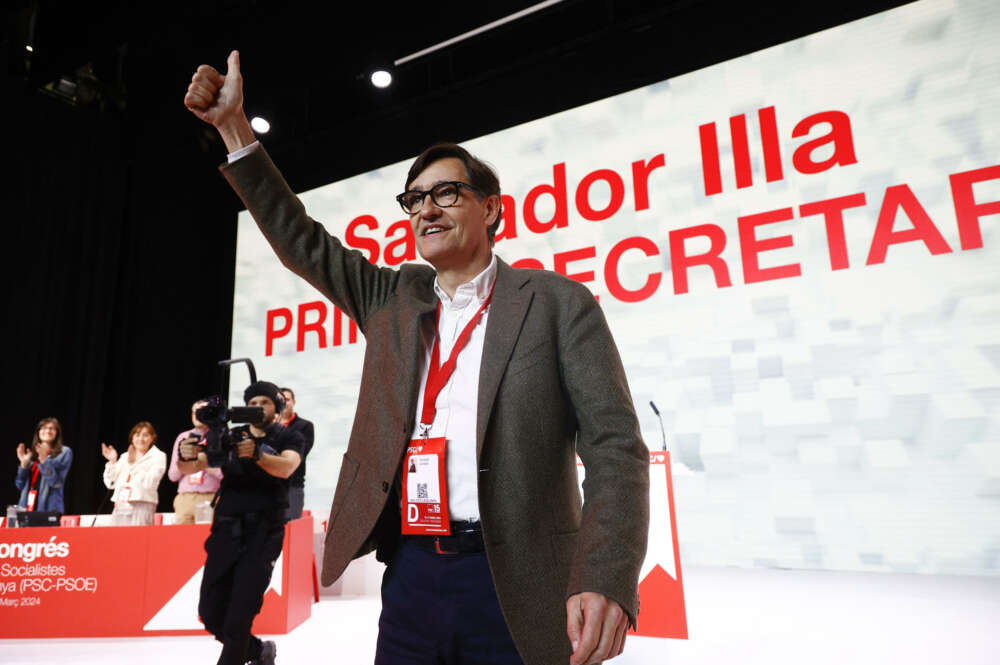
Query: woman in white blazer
point(135, 477)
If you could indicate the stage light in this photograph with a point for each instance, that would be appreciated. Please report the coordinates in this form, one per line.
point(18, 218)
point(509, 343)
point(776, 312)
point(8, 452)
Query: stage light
point(380, 78)
point(260, 125)
point(29, 48)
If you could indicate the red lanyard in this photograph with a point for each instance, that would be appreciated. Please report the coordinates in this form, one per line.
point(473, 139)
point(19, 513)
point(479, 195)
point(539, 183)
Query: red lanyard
point(35, 470)
point(438, 375)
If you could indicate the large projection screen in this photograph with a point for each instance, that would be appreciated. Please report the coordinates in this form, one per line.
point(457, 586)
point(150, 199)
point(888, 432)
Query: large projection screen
point(798, 252)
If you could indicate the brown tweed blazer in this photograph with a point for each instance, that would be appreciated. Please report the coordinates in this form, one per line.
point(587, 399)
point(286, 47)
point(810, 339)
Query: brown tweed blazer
point(551, 385)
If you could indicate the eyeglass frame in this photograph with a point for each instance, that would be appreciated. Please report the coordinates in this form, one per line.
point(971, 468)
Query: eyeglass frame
point(424, 192)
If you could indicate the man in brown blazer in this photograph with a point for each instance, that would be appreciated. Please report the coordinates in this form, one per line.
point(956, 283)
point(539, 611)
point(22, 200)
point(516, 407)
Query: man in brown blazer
point(541, 377)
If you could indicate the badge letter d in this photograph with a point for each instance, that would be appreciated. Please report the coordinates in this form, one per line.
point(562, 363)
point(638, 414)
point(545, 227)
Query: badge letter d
point(412, 513)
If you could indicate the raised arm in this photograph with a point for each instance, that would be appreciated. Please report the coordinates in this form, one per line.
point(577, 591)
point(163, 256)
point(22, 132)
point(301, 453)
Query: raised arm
point(111, 466)
point(343, 275)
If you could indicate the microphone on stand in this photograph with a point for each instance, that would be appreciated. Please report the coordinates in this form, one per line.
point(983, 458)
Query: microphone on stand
point(663, 432)
point(100, 506)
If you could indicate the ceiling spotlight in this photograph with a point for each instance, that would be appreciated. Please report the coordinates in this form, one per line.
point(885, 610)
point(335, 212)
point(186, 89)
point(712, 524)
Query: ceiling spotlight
point(260, 125)
point(380, 78)
point(29, 48)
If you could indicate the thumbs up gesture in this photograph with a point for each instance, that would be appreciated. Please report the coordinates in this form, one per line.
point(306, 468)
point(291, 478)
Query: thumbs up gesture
point(218, 100)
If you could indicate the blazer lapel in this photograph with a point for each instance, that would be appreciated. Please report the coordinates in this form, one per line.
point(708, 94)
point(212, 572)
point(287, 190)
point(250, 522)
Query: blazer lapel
point(511, 297)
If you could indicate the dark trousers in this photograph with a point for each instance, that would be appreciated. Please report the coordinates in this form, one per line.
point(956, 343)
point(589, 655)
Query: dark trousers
point(441, 609)
point(241, 555)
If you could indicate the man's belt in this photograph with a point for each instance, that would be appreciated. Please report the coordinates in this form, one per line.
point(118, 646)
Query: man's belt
point(465, 538)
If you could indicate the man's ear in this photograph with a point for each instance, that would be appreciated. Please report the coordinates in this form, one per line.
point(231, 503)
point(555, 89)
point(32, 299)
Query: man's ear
point(492, 207)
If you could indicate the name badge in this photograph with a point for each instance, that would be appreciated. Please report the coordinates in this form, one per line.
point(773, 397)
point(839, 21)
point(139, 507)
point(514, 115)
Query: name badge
point(32, 497)
point(196, 478)
point(425, 488)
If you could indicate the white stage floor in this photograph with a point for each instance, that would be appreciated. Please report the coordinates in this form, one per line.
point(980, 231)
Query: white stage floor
point(773, 617)
point(340, 630)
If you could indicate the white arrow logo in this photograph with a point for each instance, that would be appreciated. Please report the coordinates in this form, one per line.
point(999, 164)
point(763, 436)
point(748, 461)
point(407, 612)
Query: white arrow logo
point(276, 575)
point(181, 611)
point(660, 549)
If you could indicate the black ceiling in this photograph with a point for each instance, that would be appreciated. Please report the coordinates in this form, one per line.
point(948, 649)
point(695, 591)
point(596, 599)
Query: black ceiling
point(305, 64)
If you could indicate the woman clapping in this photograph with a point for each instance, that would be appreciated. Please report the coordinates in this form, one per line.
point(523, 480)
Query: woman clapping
point(41, 475)
point(135, 476)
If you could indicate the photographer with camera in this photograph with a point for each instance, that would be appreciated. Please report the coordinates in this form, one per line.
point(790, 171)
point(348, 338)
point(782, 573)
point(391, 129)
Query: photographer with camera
point(250, 515)
point(196, 488)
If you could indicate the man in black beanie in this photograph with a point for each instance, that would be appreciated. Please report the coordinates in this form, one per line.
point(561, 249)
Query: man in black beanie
point(248, 526)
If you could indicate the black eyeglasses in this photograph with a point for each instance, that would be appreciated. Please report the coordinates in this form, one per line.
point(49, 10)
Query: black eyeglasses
point(443, 194)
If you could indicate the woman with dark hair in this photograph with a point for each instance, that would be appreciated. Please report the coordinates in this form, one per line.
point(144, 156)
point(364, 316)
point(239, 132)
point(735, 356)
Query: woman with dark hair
point(135, 477)
point(41, 476)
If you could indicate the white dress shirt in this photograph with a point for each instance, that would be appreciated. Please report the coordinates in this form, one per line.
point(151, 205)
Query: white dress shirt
point(457, 403)
point(241, 152)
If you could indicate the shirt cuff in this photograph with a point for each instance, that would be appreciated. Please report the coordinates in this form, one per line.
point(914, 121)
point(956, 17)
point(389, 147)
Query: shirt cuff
point(242, 152)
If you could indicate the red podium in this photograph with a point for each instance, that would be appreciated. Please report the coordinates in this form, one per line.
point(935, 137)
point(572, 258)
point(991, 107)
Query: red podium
point(662, 612)
point(132, 581)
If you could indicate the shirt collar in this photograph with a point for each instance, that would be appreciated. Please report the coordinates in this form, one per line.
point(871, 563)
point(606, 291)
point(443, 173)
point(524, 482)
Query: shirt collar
point(478, 287)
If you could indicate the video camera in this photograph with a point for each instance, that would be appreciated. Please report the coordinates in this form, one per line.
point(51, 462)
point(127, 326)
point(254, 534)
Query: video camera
point(220, 445)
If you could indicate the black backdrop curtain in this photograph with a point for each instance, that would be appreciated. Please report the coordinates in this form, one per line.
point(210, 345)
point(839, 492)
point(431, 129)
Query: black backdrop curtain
point(120, 246)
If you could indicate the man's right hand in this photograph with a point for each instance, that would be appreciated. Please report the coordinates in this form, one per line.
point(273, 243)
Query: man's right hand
point(218, 100)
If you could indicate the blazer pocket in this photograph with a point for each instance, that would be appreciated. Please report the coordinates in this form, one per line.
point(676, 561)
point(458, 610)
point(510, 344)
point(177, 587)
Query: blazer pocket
point(529, 358)
point(564, 547)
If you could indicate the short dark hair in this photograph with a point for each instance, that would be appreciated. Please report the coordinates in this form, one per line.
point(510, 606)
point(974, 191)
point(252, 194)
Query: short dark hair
point(288, 390)
point(480, 174)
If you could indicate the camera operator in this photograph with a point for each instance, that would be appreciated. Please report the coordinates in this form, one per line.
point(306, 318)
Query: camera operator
point(196, 488)
point(248, 525)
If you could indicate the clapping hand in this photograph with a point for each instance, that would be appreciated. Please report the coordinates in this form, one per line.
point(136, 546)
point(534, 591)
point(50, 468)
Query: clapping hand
point(43, 450)
point(109, 452)
point(23, 455)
